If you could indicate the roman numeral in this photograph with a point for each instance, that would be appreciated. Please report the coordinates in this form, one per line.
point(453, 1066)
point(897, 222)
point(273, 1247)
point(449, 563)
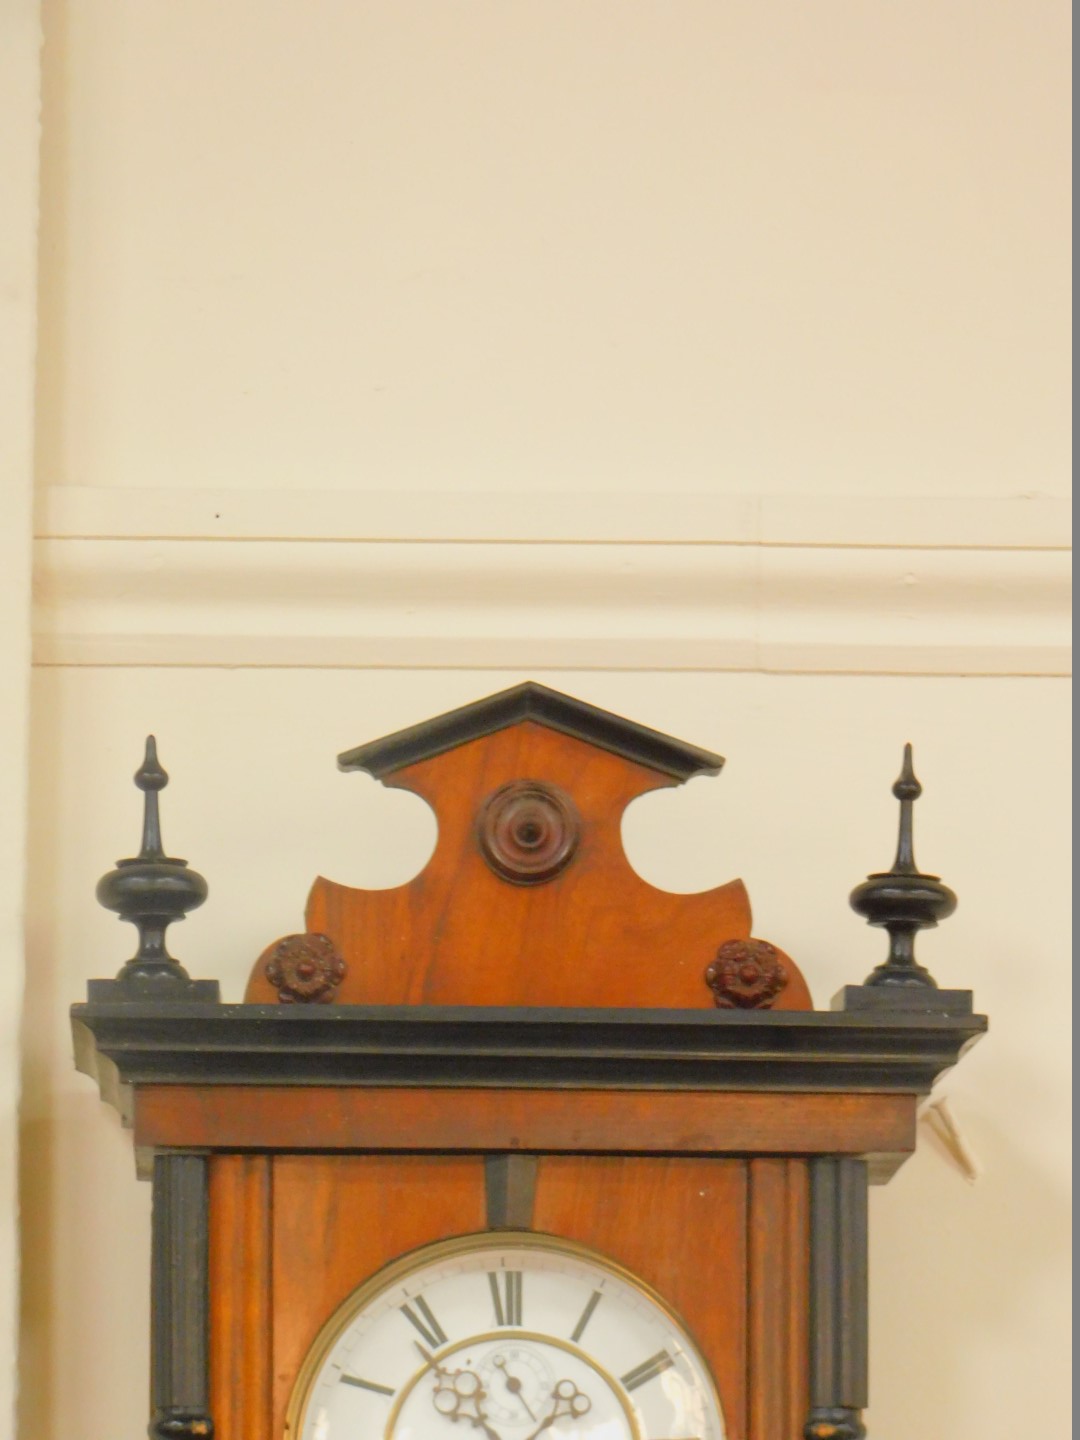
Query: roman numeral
point(506, 1293)
point(366, 1385)
point(586, 1316)
point(647, 1370)
point(425, 1322)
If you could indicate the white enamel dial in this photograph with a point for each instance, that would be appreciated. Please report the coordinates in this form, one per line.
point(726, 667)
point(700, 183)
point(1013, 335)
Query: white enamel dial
point(504, 1336)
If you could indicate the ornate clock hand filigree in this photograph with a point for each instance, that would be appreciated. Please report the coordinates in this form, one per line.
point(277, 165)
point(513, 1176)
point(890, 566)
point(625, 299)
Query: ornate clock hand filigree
point(566, 1399)
point(514, 1385)
point(458, 1395)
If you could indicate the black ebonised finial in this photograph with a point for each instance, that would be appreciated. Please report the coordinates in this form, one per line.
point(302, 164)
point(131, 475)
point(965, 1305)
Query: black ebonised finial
point(903, 900)
point(150, 778)
point(151, 891)
point(907, 790)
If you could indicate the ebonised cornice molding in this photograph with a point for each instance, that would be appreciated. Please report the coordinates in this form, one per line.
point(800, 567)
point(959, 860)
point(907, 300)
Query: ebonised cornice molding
point(132, 1044)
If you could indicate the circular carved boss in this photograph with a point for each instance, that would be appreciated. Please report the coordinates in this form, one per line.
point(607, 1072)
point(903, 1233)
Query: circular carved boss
point(528, 831)
point(746, 975)
point(305, 969)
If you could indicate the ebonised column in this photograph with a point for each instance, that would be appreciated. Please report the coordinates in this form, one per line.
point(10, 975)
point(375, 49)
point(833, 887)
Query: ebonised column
point(179, 1351)
point(838, 1299)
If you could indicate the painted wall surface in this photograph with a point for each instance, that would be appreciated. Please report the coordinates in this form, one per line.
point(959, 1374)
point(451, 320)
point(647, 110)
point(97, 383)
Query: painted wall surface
point(20, 97)
point(554, 245)
point(707, 362)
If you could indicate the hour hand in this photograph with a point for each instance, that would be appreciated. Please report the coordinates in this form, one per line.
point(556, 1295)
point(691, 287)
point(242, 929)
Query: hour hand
point(459, 1395)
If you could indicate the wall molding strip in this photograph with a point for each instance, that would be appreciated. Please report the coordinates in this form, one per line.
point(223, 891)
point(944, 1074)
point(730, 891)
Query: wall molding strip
point(821, 606)
point(73, 512)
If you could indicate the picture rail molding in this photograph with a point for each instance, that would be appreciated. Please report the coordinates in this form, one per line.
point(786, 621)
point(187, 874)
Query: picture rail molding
point(683, 582)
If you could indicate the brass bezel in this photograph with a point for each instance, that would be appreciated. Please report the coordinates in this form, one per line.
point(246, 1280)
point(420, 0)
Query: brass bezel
point(391, 1273)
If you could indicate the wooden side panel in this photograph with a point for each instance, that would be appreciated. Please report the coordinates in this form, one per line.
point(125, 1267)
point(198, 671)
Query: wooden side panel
point(779, 1260)
point(338, 1219)
point(679, 1224)
point(241, 1319)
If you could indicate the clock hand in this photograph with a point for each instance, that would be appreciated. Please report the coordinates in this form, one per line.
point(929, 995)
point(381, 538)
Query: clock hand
point(455, 1391)
point(567, 1399)
point(474, 1391)
point(481, 1421)
point(514, 1385)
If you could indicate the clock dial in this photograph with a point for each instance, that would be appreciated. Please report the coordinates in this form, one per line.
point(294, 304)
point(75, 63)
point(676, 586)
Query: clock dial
point(505, 1336)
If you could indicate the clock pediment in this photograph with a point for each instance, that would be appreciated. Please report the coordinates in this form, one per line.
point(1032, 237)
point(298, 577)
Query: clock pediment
point(531, 701)
point(528, 898)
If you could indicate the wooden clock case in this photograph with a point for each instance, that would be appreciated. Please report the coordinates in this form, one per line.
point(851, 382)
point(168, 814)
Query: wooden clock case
point(524, 1036)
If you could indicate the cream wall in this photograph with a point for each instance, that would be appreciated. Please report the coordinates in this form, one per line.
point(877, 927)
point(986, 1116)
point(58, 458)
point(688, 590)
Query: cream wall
point(558, 245)
point(20, 93)
point(707, 361)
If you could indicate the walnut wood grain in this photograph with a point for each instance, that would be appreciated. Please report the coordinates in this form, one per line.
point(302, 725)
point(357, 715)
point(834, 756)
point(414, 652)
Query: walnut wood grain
point(337, 1220)
point(689, 1122)
point(594, 934)
point(678, 1224)
point(241, 1310)
point(778, 1263)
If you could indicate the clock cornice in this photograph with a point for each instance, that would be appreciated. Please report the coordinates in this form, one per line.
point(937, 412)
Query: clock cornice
point(891, 1050)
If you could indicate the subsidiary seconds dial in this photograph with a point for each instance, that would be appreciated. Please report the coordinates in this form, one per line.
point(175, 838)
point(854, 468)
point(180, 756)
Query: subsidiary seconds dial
point(504, 1336)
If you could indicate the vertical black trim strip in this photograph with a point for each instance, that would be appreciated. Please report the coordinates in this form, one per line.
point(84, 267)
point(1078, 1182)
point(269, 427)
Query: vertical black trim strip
point(510, 1191)
point(179, 1280)
point(838, 1299)
point(854, 1282)
point(823, 1267)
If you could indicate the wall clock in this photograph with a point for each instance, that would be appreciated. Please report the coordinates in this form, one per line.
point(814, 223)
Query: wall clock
point(512, 1334)
point(525, 1147)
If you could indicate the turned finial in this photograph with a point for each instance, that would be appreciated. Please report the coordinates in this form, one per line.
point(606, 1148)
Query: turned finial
point(151, 891)
point(150, 778)
point(903, 900)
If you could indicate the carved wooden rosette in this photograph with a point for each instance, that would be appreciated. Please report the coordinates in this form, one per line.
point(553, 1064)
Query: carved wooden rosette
point(303, 969)
point(747, 975)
